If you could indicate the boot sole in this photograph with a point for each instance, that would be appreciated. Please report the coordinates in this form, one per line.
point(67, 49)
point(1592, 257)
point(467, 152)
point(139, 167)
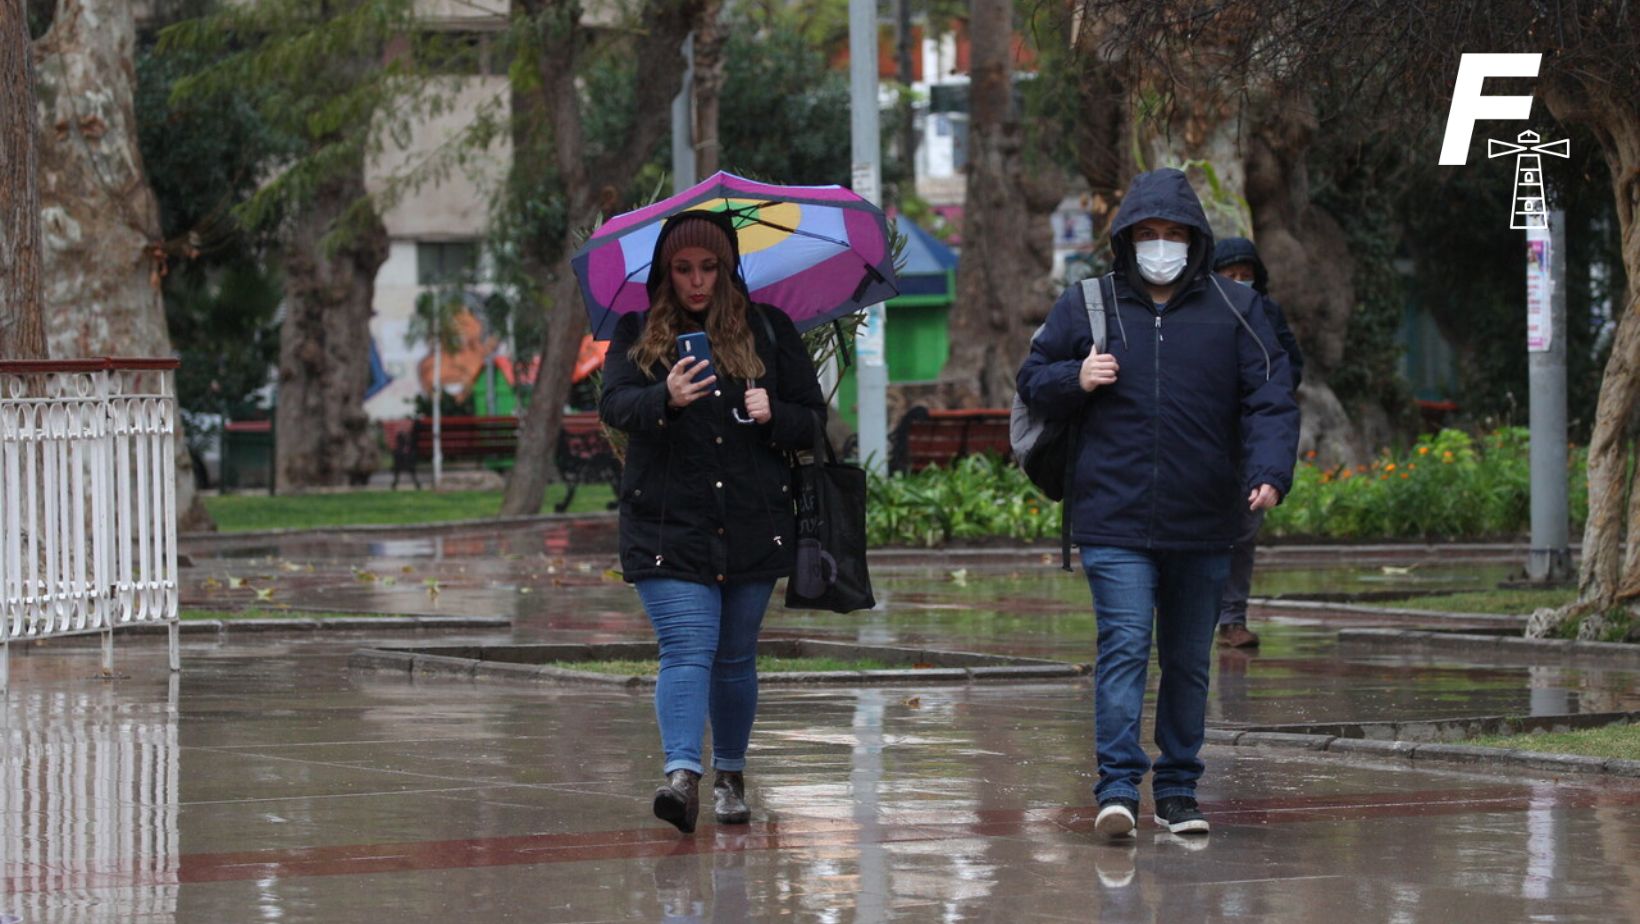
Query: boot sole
point(672, 809)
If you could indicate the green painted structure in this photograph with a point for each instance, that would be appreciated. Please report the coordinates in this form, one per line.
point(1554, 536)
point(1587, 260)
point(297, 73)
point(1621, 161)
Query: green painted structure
point(918, 319)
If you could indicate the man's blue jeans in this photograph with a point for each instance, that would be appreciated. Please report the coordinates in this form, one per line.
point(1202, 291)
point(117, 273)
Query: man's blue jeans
point(708, 638)
point(1178, 593)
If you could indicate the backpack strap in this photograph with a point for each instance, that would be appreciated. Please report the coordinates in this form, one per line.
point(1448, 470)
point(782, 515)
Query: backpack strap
point(1093, 298)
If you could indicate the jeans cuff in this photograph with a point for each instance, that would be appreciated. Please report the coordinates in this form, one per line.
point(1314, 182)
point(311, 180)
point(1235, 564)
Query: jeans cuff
point(1168, 792)
point(1117, 791)
point(733, 766)
point(692, 765)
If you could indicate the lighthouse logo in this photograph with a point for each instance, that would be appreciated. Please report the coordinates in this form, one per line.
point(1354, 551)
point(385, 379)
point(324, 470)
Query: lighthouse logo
point(1469, 105)
point(1530, 202)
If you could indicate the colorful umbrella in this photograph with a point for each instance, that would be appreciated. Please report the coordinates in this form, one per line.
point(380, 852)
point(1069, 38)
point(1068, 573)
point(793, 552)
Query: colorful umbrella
point(814, 252)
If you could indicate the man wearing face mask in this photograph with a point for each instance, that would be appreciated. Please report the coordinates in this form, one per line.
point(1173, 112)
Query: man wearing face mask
point(1187, 414)
point(1237, 259)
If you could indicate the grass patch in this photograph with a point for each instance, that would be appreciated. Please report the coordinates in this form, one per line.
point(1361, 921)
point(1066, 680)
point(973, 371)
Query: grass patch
point(1612, 741)
point(764, 666)
point(236, 513)
point(1508, 602)
point(192, 615)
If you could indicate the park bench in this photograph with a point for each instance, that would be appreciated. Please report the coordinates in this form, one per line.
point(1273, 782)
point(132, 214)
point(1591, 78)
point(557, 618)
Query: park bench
point(927, 437)
point(584, 454)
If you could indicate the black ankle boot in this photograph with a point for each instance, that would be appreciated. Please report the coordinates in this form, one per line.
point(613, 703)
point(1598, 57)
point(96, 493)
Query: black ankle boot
point(678, 802)
point(729, 794)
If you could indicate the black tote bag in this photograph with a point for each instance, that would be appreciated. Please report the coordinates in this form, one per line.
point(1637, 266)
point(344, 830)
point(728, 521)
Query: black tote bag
point(830, 497)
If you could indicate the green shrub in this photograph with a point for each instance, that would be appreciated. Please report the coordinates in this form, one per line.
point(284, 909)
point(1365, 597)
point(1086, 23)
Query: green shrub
point(1448, 485)
point(977, 498)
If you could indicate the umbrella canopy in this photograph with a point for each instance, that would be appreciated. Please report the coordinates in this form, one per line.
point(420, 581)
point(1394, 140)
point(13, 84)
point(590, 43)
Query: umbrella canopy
point(814, 252)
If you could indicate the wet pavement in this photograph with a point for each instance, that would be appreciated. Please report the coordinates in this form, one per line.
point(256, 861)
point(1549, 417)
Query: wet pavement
point(267, 782)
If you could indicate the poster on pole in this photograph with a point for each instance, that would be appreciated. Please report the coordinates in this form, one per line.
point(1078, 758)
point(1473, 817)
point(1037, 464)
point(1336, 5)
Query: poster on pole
point(868, 342)
point(1539, 293)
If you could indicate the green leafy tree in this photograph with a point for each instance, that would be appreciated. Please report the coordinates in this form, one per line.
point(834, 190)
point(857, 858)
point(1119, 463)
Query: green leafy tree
point(319, 77)
point(220, 298)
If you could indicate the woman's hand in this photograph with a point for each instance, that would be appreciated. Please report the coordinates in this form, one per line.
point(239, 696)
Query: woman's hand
point(757, 405)
point(681, 388)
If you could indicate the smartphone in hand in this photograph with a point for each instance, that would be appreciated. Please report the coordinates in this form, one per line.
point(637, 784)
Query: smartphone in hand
point(694, 345)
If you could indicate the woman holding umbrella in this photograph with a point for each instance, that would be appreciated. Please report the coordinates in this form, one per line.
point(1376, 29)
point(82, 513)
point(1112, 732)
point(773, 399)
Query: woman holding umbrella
point(706, 521)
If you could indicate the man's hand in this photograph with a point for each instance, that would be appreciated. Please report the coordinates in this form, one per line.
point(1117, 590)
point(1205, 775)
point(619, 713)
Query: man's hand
point(1263, 498)
point(681, 390)
point(1098, 369)
point(757, 405)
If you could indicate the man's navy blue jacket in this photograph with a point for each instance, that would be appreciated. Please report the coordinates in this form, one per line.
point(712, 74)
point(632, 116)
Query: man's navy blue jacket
point(1201, 412)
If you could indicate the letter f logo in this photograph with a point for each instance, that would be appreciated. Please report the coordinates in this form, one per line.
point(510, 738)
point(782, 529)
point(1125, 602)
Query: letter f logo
point(1469, 106)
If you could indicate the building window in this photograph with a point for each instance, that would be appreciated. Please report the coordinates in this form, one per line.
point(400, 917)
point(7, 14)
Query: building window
point(443, 262)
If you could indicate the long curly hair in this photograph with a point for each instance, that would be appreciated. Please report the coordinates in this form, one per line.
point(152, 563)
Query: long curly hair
point(734, 352)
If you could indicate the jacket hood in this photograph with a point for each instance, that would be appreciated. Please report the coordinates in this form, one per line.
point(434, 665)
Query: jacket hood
point(1234, 250)
point(1162, 194)
point(657, 267)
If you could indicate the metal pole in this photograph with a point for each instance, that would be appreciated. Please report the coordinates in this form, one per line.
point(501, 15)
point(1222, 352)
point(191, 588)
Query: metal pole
point(1549, 560)
point(438, 394)
point(683, 123)
point(871, 375)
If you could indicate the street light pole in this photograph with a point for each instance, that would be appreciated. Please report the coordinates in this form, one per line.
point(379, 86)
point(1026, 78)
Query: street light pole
point(870, 373)
point(1549, 559)
point(683, 123)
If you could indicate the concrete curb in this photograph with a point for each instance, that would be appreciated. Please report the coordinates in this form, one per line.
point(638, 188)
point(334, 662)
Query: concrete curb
point(340, 624)
point(1411, 752)
point(530, 664)
point(376, 528)
point(1620, 653)
point(1273, 603)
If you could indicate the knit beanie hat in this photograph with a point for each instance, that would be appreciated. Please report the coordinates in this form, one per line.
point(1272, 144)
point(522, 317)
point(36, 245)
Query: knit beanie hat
point(697, 232)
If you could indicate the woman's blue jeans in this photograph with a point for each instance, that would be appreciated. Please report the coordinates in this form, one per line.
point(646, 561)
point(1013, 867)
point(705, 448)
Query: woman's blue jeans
point(1177, 593)
point(708, 638)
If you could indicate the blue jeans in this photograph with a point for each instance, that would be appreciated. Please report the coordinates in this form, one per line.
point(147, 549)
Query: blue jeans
point(708, 639)
point(1177, 592)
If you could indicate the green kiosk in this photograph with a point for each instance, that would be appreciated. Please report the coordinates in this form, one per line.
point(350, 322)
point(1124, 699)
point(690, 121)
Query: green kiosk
point(918, 337)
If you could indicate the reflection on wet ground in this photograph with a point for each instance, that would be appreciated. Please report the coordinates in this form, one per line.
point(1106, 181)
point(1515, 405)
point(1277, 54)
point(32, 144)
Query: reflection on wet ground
point(268, 783)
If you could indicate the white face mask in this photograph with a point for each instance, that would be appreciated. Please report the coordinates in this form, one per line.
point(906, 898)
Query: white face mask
point(1161, 262)
point(1244, 282)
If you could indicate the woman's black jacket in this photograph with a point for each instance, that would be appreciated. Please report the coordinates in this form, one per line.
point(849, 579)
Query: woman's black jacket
point(704, 498)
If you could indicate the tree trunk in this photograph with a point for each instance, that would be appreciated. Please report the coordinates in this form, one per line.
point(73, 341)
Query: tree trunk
point(22, 330)
point(1007, 241)
point(592, 188)
point(322, 433)
point(1311, 268)
point(103, 257)
point(1609, 573)
point(710, 37)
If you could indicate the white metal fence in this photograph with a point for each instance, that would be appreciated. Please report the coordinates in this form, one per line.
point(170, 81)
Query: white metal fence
point(87, 499)
point(89, 806)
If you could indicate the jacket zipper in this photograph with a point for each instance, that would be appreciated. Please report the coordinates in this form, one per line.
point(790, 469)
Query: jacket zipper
point(1155, 432)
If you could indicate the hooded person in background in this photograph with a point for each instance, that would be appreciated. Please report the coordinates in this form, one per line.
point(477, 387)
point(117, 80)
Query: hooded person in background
point(1189, 414)
point(1237, 259)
